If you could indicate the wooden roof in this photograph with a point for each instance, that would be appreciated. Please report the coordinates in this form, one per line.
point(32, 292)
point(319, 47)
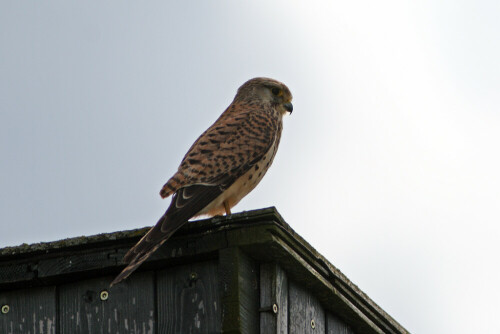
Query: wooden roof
point(263, 235)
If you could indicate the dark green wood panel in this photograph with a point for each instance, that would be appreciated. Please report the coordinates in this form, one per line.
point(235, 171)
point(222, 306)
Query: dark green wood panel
point(239, 288)
point(336, 326)
point(14, 272)
point(81, 262)
point(305, 312)
point(30, 311)
point(188, 299)
point(273, 300)
point(129, 308)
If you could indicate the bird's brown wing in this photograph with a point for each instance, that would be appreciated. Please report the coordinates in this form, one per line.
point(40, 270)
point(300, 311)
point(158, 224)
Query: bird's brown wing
point(226, 151)
point(242, 134)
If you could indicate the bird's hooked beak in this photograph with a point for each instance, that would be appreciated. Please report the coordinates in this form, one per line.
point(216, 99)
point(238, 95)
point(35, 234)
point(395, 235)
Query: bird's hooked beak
point(288, 107)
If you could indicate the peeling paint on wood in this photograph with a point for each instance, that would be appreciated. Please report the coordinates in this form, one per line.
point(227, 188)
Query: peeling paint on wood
point(306, 313)
point(31, 311)
point(129, 308)
point(273, 299)
point(188, 299)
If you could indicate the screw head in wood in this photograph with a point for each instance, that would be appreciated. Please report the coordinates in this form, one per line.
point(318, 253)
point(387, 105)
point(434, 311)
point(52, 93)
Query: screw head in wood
point(104, 295)
point(313, 324)
point(193, 276)
point(5, 309)
point(275, 308)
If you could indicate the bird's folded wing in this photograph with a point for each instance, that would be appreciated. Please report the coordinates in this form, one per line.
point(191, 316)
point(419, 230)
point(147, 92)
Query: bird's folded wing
point(181, 209)
point(234, 142)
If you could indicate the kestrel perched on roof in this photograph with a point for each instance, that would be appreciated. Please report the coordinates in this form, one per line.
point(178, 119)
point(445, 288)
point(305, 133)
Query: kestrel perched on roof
point(223, 165)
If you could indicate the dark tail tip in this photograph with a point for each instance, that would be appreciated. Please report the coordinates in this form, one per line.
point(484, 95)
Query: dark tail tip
point(128, 270)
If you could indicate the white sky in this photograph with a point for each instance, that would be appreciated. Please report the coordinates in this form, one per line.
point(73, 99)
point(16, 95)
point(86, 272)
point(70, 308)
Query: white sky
point(389, 165)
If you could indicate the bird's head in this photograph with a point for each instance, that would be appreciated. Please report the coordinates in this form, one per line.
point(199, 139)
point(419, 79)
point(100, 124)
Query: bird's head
point(268, 91)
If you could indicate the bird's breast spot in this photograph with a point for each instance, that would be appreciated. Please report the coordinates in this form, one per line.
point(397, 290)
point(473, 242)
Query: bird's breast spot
point(241, 187)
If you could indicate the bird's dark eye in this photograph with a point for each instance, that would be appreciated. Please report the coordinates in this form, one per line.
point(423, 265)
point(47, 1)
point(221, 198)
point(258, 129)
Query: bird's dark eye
point(276, 91)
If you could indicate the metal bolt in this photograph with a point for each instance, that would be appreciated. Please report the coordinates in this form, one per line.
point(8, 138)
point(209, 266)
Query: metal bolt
point(193, 276)
point(104, 295)
point(275, 308)
point(5, 309)
point(313, 324)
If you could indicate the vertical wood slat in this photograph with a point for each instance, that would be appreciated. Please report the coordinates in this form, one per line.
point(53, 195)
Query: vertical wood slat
point(30, 311)
point(305, 312)
point(188, 299)
point(336, 326)
point(273, 290)
point(239, 288)
point(129, 307)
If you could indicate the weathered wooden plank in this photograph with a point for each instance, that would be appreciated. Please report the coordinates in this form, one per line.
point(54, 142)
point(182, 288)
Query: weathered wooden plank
point(128, 308)
point(306, 314)
point(79, 262)
point(188, 299)
point(239, 288)
point(28, 311)
point(336, 326)
point(15, 272)
point(273, 300)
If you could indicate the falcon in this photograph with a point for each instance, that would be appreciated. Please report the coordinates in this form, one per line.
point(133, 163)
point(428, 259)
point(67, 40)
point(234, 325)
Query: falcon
point(222, 166)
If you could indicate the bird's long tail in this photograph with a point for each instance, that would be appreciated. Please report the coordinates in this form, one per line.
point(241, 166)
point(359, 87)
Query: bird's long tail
point(186, 203)
point(146, 247)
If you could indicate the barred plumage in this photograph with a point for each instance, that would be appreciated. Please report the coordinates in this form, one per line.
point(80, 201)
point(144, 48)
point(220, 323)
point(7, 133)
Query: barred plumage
point(223, 165)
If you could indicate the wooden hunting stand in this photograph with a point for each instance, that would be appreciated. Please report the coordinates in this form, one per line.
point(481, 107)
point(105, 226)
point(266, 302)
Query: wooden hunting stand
point(246, 273)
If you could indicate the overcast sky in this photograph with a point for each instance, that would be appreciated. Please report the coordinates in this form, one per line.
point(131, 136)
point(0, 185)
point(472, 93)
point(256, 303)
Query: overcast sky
point(388, 166)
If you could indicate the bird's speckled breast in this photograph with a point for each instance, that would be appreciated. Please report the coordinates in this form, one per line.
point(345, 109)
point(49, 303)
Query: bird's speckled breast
point(245, 183)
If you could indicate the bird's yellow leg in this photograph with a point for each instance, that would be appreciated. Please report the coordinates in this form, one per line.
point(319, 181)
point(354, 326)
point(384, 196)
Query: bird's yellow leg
point(228, 209)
